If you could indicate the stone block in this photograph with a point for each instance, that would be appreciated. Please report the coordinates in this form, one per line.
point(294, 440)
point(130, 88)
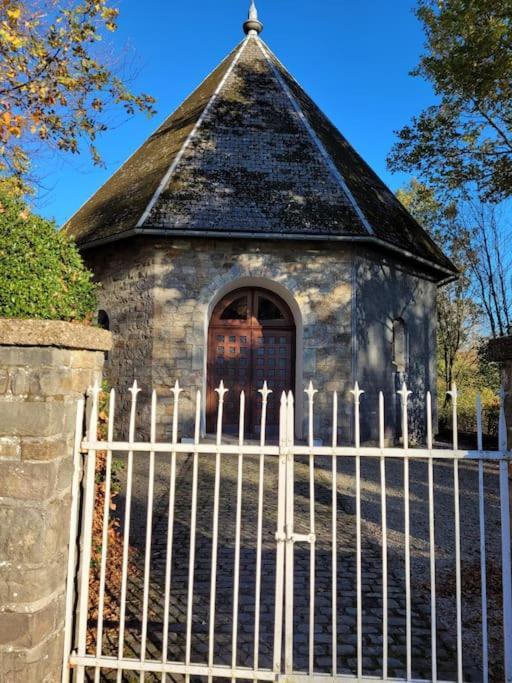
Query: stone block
point(29, 629)
point(33, 534)
point(10, 448)
point(36, 582)
point(4, 380)
point(50, 448)
point(310, 361)
point(20, 382)
point(88, 360)
point(30, 418)
point(52, 382)
point(40, 664)
point(28, 481)
point(33, 357)
point(81, 380)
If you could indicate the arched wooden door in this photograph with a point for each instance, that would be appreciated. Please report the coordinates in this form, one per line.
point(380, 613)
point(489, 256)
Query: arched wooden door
point(251, 339)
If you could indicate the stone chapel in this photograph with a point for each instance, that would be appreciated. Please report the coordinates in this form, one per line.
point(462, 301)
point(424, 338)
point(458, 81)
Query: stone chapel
point(246, 240)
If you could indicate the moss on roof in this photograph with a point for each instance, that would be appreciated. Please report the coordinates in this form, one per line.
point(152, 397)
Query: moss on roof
point(249, 153)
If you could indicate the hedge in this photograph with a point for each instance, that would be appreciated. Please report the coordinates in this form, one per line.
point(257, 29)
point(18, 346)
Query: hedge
point(41, 272)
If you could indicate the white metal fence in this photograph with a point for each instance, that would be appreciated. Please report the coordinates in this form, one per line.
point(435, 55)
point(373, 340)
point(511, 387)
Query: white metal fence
point(259, 646)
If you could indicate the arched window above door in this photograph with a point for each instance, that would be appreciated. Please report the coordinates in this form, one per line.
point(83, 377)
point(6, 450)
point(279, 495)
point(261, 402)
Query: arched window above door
point(253, 307)
point(236, 310)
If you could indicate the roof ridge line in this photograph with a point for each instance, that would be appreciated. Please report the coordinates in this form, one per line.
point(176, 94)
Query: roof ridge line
point(319, 144)
point(168, 175)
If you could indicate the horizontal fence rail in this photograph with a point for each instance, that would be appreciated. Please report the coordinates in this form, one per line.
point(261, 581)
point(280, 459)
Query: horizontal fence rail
point(269, 560)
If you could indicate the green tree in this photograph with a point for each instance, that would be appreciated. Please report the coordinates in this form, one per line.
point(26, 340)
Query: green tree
point(56, 85)
point(466, 138)
point(41, 272)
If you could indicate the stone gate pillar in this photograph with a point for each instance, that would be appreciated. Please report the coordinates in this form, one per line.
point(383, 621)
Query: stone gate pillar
point(45, 367)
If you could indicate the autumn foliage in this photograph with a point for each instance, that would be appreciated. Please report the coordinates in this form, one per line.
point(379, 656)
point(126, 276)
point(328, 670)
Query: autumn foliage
point(56, 84)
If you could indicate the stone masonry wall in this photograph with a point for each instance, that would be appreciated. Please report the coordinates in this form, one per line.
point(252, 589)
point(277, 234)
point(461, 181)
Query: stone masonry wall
point(188, 277)
point(159, 295)
point(191, 277)
point(39, 387)
point(126, 271)
point(387, 291)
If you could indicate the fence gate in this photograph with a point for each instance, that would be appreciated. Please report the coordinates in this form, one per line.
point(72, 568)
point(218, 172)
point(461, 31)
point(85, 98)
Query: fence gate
point(235, 559)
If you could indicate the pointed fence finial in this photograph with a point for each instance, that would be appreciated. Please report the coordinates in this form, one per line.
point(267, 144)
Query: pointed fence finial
point(404, 394)
point(265, 392)
point(253, 26)
point(357, 392)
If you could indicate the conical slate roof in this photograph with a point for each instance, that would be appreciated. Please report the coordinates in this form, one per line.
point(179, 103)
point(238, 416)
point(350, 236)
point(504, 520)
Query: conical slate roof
point(249, 154)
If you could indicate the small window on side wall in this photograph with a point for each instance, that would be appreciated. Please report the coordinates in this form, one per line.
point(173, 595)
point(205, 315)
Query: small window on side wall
point(103, 320)
point(400, 350)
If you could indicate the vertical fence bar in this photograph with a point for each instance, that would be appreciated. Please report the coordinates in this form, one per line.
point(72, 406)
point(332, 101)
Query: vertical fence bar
point(265, 392)
point(384, 539)
point(104, 535)
point(85, 565)
point(483, 552)
point(334, 522)
point(432, 536)
point(221, 391)
point(236, 575)
point(312, 554)
point(149, 532)
point(280, 534)
point(127, 519)
point(404, 393)
point(170, 526)
point(73, 534)
point(193, 522)
point(289, 526)
point(456, 497)
point(357, 393)
point(505, 544)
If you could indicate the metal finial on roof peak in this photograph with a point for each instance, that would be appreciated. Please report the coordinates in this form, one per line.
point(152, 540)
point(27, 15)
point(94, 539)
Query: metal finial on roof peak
point(253, 25)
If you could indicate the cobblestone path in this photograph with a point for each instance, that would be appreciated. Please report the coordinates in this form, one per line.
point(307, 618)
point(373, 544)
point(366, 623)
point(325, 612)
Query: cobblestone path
point(346, 576)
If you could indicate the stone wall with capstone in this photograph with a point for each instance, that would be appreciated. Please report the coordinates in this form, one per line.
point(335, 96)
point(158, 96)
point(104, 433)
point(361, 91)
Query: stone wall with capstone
point(44, 368)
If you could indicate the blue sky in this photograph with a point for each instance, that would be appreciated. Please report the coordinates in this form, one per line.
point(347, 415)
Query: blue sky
point(353, 58)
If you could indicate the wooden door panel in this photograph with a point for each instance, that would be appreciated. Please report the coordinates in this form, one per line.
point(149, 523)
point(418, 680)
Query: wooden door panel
point(245, 354)
point(230, 362)
point(273, 360)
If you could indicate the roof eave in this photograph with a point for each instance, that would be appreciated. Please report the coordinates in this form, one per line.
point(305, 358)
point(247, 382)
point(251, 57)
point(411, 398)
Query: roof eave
point(448, 274)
